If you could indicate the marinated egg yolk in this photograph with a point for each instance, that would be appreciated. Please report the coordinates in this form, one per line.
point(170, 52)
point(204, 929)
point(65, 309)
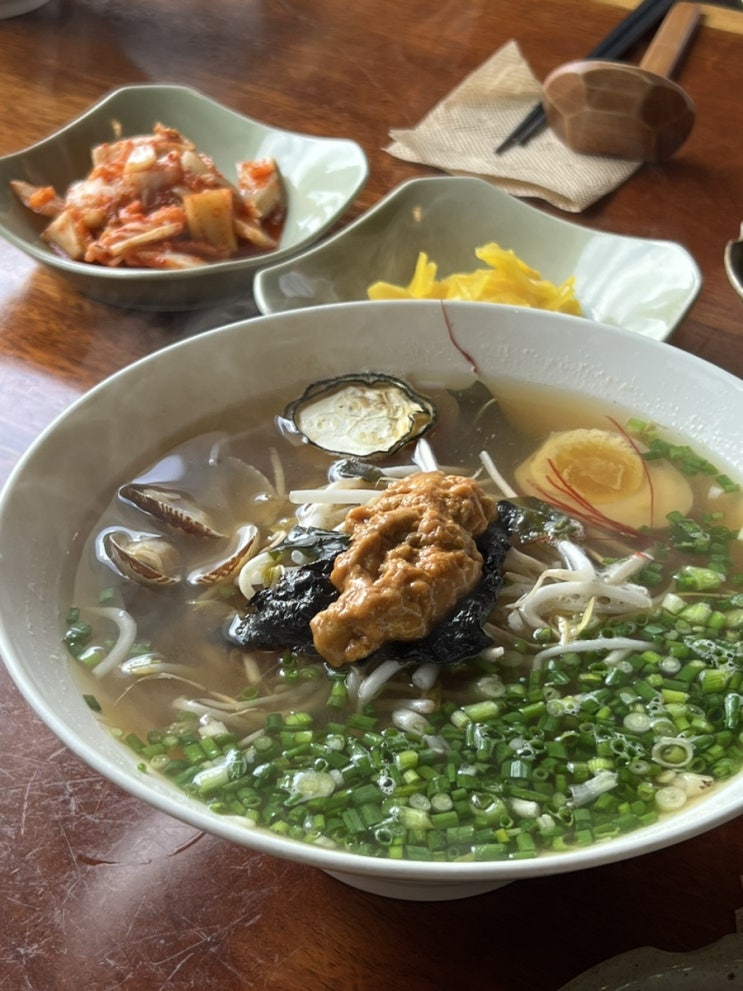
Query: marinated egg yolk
point(586, 468)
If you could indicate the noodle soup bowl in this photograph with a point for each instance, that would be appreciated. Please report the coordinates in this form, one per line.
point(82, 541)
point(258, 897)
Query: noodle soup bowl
point(62, 484)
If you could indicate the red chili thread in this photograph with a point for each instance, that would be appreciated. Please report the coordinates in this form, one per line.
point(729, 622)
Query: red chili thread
point(589, 511)
point(450, 330)
point(645, 468)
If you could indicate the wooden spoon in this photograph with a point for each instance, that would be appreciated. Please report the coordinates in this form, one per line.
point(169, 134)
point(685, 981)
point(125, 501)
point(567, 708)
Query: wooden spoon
point(622, 110)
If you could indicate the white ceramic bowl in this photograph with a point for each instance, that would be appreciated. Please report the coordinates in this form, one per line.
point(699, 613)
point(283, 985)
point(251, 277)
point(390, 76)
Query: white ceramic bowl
point(733, 259)
point(321, 175)
point(641, 284)
point(73, 469)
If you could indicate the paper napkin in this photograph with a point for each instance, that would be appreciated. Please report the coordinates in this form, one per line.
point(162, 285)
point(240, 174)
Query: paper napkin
point(461, 133)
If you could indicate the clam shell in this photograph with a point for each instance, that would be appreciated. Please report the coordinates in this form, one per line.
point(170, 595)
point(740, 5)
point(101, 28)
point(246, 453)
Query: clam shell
point(362, 415)
point(226, 568)
point(150, 560)
point(171, 506)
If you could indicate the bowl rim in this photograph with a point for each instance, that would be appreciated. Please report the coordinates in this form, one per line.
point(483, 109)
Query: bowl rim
point(47, 257)
point(733, 261)
point(179, 806)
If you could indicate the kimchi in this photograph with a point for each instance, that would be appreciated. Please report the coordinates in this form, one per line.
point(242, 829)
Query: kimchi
point(154, 201)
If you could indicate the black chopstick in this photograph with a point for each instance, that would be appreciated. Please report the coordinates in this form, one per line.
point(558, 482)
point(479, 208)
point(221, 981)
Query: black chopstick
point(615, 44)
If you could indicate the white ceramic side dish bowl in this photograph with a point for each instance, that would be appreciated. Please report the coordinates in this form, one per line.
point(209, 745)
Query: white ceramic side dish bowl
point(636, 283)
point(733, 259)
point(75, 466)
point(717, 967)
point(321, 176)
point(13, 8)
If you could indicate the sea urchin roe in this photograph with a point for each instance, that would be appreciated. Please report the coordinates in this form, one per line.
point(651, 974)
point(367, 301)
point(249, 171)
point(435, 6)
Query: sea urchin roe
point(412, 557)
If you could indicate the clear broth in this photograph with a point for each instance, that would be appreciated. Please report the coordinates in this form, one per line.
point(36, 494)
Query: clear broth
point(183, 627)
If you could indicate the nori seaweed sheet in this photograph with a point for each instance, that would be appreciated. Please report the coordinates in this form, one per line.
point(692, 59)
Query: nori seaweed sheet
point(535, 520)
point(280, 615)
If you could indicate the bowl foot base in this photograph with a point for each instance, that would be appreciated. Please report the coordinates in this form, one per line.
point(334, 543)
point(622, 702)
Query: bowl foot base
point(421, 891)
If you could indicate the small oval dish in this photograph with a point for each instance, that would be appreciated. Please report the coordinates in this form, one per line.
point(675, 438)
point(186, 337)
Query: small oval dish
point(717, 967)
point(13, 8)
point(639, 284)
point(321, 176)
point(734, 263)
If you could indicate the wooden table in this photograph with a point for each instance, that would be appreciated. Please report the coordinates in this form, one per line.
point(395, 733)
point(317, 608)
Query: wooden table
point(98, 890)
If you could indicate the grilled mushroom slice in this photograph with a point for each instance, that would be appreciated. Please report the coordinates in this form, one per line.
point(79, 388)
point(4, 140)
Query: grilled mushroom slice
point(362, 415)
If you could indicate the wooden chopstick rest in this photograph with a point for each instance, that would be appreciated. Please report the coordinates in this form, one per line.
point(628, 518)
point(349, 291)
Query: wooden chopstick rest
point(622, 110)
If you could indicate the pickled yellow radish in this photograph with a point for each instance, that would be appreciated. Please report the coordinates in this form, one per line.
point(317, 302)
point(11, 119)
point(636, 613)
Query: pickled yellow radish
point(507, 279)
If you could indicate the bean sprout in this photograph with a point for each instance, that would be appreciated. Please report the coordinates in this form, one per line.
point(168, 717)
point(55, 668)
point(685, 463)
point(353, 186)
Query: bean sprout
point(372, 683)
point(620, 571)
point(424, 457)
point(279, 477)
point(334, 494)
point(575, 596)
point(127, 628)
point(582, 646)
point(410, 722)
point(425, 676)
point(490, 467)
